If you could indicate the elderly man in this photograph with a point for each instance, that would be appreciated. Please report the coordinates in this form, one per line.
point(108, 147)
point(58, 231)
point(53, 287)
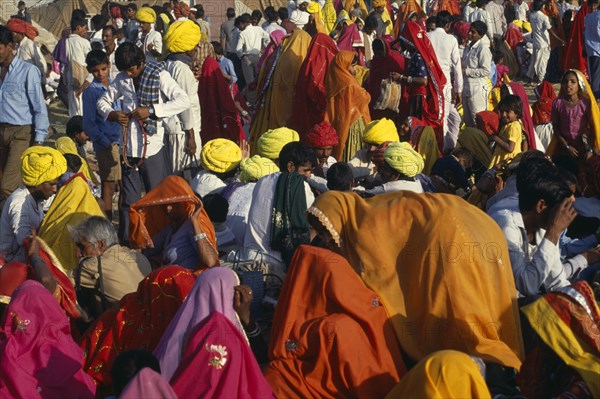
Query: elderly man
point(107, 269)
point(24, 210)
point(27, 50)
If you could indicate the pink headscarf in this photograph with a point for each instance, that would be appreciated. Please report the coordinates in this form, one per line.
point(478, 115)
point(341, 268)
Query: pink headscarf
point(38, 357)
point(461, 29)
point(277, 37)
point(349, 36)
point(147, 383)
point(213, 291)
point(218, 363)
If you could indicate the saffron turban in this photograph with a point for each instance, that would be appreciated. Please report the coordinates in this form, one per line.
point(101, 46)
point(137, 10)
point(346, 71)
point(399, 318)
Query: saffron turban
point(322, 135)
point(271, 142)
point(181, 10)
point(146, 14)
point(41, 164)
point(379, 3)
point(488, 122)
point(182, 36)
point(252, 169)
point(17, 25)
point(402, 158)
point(220, 155)
point(380, 131)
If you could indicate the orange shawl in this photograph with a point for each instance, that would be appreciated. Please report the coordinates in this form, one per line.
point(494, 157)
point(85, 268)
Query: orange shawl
point(331, 335)
point(346, 100)
point(440, 266)
point(411, 6)
point(147, 216)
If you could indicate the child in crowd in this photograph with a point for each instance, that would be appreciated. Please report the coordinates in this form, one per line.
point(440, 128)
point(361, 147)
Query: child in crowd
point(501, 69)
point(508, 142)
point(225, 63)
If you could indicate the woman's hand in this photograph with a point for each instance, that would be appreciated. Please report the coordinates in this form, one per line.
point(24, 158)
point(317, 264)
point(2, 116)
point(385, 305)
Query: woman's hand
point(34, 244)
point(195, 215)
point(245, 149)
point(572, 151)
point(242, 297)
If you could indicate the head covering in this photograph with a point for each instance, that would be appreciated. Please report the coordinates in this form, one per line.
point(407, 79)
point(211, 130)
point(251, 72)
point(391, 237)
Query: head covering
point(66, 145)
point(349, 37)
point(379, 3)
point(513, 35)
point(182, 36)
point(313, 7)
point(402, 158)
point(255, 167)
point(322, 135)
point(38, 357)
point(17, 25)
point(475, 141)
point(379, 131)
point(328, 317)
point(115, 12)
point(271, 142)
point(41, 164)
point(277, 37)
point(542, 108)
point(218, 363)
point(461, 29)
point(488, 122)
point(181, 10)
point(573, 54)
point(147, 383)
point(12, 275)
point(213, 291)
point(380, 69)
point(221, 155)
point(442, 306)
point(146, 14)
point(138, 321)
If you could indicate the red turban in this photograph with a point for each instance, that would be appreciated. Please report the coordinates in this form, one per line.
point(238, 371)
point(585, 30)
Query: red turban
point(488, 122)
point(377, 155)
point(322, 135)
point(181, 10)
point(461, 29)
point(115, 12)
point(17, 25)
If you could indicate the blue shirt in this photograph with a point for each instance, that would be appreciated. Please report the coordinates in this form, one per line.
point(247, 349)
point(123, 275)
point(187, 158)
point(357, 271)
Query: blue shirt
point(592, 34)
point(227, 67)
point(21, 98)
point(102, 132)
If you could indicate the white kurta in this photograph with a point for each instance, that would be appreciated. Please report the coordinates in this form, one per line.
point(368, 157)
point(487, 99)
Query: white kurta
point(77, 49)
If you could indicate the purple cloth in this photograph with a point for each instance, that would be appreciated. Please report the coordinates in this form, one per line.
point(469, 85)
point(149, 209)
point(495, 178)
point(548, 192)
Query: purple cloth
point(570, 119)
point(148, 384)
point(213, 291)
point(277, 37)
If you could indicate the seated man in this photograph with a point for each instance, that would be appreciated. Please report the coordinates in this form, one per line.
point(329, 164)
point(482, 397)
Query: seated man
point(450, 174)
point(220, 160)
point(106, 267)
point(24, 209)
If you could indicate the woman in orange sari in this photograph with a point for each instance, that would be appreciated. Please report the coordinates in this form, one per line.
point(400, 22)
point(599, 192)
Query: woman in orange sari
point(347, 106)
point(138, 321)
point(410, 10)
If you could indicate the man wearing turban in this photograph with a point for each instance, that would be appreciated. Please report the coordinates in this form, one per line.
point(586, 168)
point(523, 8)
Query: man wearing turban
point(255, 167)
point(23, 35)
point(322, 138)
point(23, 211)
point(270, 143)
point(149, 40)
point(220, 160)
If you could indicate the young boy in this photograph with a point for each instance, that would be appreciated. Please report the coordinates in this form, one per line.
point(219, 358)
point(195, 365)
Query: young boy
point(105, 135)
point(225, 63)
point(77, 49)
point(149, 95)
point(508, 142)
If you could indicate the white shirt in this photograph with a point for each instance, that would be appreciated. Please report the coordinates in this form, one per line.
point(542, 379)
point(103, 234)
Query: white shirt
point(396, 186)
point(114, 71)
point(446, 51)
point(540, 25)
point(251, 41)
point(21, 213)
point(272, 27)
point(240, 201)
point(172, 101)
point(478, 61)
point(498, 20)
point(183, 75)
point(153, 37)
point(521, 11)
point(206, 183)
point(29, 52)
point(96, 37)
point(77, 48)
point(258, 232)
point(592, 34)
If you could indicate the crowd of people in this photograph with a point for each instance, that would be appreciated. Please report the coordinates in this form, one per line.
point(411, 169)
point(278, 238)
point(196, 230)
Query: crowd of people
point(334, 199)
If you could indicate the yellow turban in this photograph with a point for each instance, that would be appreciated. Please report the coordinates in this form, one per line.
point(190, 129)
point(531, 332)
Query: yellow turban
point(220, 155)
point(146, 14)
point(271, 142)
point(379, 3)
point(313, 7)
point(402, 158)
point(527, 26)
point(182, 36)
point(252, 169)
point(380, 131)
point(41, 164)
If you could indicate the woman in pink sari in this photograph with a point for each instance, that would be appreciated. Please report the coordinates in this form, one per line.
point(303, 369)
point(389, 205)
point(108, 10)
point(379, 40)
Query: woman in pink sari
point(277, 37)
point(147, 383)
point(351, 40)
point(38, 357)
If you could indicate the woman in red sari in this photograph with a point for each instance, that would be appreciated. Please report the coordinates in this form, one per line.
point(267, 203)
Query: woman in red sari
point(542, 108)
point(309, 103)
point(574, 58)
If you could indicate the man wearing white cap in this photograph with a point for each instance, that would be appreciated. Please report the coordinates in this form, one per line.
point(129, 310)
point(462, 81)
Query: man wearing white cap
point(298, 14)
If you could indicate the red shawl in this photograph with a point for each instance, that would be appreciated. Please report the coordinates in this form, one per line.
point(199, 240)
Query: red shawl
point(542, 108)
point(573, 53)
point(219, 114)
point(517, 89)
point(513, 36)
point(310, 104)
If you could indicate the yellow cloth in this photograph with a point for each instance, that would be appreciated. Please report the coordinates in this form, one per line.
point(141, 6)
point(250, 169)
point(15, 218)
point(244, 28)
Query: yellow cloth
point(166, 21)
point(511, 132)
point(41, 164)
point(349, 6)
point(426, 144)
point(379, 3)
point(379, 131)
point(66, 145)
point(475, 141)
point(182, 36)
point(594, 112)
point(271, 142)
point(314, 9)
point(329, 16)
point(402, 158)
point(441, 375)
point(361, 74)
point(146, 14)
point(220, 155)
point(389, 28)
point(73, 204)
point(444, 276)
point(255, 167)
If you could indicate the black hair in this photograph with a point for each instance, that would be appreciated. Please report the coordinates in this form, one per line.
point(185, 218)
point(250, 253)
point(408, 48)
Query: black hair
point(371, 22)
point(481, 3)
point(257, 15)
point(216, 207)
point(443, 18)
point(497, 56)
point(217, 47)
point(98, 21)
point(128, 364)
point(77, 22)
point(296, 153)
point(128, 55)
point(570, 72)
point(20, 3)
point(339, 177)
point(230, 12)
point(237, 21)
point(199, 11)
point(111, 28)
point(479, 27)
point(245, 18)
point(283, 13)
point(431, 20)
point(511, 103)
point(537, 5)
point(74, 126)
point(592, 2)
point(567, 162)
point(463, 153)
point(133, 6)
point(378, 45)
point(538, 178)
point(96, 45)
point(569, 178)
point(271, 14)
point(73, 162)
point(78, 13)
point(95, 58)
point(5, 36)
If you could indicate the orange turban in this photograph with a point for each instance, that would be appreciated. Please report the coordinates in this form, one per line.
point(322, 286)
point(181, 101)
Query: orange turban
point(17, 25)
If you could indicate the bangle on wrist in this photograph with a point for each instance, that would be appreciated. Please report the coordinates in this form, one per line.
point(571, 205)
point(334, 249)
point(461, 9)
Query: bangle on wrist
point(254, 332)
point(199, 237)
